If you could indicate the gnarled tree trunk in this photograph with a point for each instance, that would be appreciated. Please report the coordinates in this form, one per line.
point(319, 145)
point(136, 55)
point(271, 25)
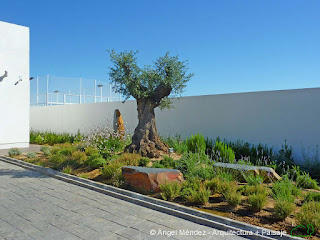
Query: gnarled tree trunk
point(146, 140)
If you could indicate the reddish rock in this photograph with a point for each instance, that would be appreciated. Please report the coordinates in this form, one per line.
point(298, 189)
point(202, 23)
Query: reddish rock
point(149, 179)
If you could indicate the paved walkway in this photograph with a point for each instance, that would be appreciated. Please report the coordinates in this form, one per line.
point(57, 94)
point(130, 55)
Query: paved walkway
point(35, 206)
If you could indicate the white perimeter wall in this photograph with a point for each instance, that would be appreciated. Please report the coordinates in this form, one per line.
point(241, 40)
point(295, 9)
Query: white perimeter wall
point(14, 100)
point(267, 117)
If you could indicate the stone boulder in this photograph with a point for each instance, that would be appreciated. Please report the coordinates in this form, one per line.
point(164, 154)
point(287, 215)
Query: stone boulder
point(146, 179)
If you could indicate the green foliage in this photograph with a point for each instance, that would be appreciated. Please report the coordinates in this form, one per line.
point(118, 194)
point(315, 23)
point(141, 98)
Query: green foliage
point(190, 185)
point(233, 197)
point(199, 196)
point(257, 201)
point(305, 181)
point(170, 190)
point(46, 150)
point(144, 162)
point(248, 190)
point(284, 189)
point(312, 196)
point(196, 143)
point(112, 170)
point(195, 165)
point(79, 156)
point(253, 179)
point(57, 161)
point(177, 144)
point(67, 169)
point(95, 161)
point(157, 164)
point(223, 153)
point(156, 83)
point(310, 215)
point(51, 138)
point(14, 152)
point(32, 155)
point(221, 184)
point(167, 162)
point(283, 208)
point(84, 175)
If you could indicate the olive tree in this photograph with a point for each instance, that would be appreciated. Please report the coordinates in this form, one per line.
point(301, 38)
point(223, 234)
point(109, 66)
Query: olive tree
point(151, 86)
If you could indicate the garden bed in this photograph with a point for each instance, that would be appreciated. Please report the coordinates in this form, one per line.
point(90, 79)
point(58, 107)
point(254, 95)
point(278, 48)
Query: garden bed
point(281, 205)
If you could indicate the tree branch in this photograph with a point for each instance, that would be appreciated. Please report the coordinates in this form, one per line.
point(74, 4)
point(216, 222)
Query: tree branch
point(160, 92)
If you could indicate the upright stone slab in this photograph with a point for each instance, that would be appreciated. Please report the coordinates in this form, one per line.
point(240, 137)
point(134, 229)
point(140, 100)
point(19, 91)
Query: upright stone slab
point(149, 179)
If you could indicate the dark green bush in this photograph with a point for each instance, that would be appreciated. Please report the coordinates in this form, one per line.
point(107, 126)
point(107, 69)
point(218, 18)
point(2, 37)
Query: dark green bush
point(170, 190)
point(223, 153)
point(253, 179)
point(167, 162)
point(144, 162)
point(177, 144)
point(196, 143)
point(95, 161)
point(200, 196)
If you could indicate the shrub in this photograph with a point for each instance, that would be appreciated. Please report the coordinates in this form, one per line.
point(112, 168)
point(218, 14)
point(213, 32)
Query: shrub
point(312, 196)
point(14, 152)
point(57, 161)
point(91, 151)
point(223, 153)
point(157, 164)
point(285, 189)
point(177, 144)
point(200, 196)
point(170, 190)
point(255, 189)
point(95, 161)
point(32, 155)
point(51, 138)
point(310, 215)
point(167, 162)
point(46, 150)
point(283, 208)
point(195, 165)
point(233, 197)
point(252, 179)
point(257, 201)
point(128, 159)
point(144, 162)
point(39, 139)
point(196, 143)
point(79, 156)
point(112, 171)
point(105, 140)
point(67, 169)
point(190, 185)
point(305, 181)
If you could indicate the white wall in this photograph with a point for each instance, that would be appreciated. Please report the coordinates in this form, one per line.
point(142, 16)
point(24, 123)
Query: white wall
point(14, 100)
point(267, 117)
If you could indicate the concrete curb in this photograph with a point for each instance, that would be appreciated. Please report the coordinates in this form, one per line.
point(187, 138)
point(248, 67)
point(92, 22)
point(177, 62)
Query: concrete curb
point(196, 216)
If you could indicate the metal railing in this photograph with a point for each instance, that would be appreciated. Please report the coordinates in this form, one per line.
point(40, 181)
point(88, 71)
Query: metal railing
point(50, 90)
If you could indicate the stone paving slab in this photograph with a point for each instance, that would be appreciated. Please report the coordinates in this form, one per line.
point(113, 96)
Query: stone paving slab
point(35, 206)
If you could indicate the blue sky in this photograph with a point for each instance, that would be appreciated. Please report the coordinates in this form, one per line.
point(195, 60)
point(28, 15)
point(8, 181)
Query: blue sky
point(231, 45)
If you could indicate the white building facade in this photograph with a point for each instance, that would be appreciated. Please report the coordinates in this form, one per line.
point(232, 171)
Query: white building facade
point(14, 86)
